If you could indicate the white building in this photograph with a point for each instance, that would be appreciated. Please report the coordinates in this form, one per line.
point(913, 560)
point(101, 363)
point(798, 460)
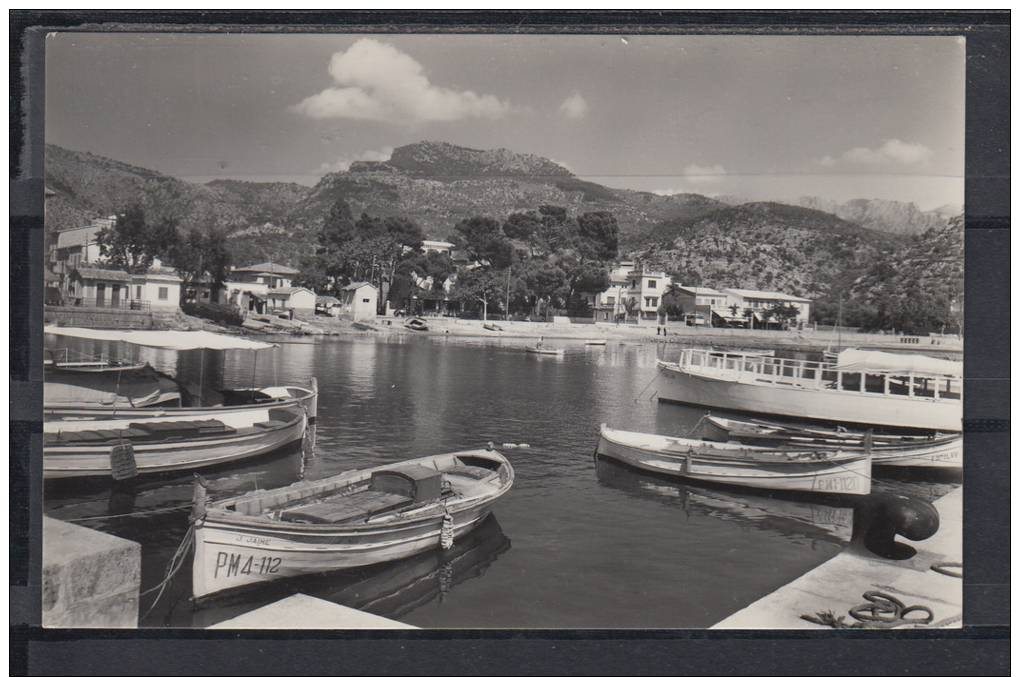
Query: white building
point(631, 285)
point(758, 301)
point(359, 300)
point(438, 246)
point(298, 301)
point(157, 290)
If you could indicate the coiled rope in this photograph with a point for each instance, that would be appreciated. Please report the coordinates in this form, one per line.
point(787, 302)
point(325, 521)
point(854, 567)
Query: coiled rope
point(881, 610)
point(172, 567)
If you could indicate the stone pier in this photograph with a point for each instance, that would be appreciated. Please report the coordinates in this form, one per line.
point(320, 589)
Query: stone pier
point(90, 579)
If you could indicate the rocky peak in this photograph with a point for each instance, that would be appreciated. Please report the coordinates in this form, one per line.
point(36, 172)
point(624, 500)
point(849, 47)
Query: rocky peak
point(440, 160)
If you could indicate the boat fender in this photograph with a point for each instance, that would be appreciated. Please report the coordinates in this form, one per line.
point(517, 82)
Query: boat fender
point(122, 462)
point(200, 497)
point(446, 531)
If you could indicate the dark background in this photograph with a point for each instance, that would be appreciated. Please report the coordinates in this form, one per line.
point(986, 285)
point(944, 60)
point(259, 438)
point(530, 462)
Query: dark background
point(981, 647)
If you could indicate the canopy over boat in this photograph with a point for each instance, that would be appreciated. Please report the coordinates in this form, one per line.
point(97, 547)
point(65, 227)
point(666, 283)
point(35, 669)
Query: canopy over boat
point(169, 340)
point(873, 361)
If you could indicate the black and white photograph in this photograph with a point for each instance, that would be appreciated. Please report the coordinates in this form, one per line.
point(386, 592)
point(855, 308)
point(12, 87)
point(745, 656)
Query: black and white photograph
point(369, 331)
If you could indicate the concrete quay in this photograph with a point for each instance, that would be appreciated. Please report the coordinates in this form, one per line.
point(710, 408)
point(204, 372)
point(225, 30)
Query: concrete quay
point(303, 612)
point(838, 585)
point(89, 579)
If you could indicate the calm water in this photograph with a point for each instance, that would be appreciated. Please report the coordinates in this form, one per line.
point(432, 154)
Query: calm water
point(572, 545)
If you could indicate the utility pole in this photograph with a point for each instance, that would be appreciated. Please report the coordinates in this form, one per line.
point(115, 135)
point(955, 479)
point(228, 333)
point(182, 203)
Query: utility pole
point(507, 314)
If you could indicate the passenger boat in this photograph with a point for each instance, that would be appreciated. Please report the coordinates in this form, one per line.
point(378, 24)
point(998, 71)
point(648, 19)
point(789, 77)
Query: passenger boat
point(865, 388)
point(89, 365)
point(353, 519)
point(937, 450)
point(175, 443)
point(829, 471)
point(146, 393)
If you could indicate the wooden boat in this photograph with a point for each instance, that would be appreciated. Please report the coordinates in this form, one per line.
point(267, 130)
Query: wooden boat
point(364, 326)
point(937, 450)
point(353, 519)
point(175, 443)
point(595, 342)
point(145, 393)
point(923, 393)
point(837, 471)
point(416, 324)
point(539, 350)
point(491, 326)
point(231, 400)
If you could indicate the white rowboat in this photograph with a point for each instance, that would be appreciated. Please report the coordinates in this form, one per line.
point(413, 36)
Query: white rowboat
point(939, 450)
point(826, 471)
point(171, 444)
point(353, 519)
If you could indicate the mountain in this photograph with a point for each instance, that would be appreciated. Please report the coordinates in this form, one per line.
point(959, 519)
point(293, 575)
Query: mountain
point(766, 245)
point(439, 184)
point(82, 185)
point(887, 216)
point(436, 184)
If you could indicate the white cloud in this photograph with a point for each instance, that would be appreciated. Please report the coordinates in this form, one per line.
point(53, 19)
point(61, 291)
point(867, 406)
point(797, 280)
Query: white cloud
point(700, 174)
point(574, 107)
point(376, 81)
point(891, 152)
point(343, 163)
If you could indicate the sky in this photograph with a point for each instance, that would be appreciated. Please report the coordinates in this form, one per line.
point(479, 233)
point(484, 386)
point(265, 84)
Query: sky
point(757, 117)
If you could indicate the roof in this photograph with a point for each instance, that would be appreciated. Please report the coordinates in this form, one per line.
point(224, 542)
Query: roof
point(268, 267)
point(77, 237)
point(288, 291)
point(700, 290)
point(436, 243)
point(358, 285)
point(87, 273)
point(767, 295)
point(323, 300)
point(873, 361)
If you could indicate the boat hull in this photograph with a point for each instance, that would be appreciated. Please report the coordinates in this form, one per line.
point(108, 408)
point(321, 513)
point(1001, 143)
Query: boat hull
point(67, 461)
point(942, 452)
point(235, 550)
point(795, 401)
point(852, 477)
point(306, 399)
point(227, 557)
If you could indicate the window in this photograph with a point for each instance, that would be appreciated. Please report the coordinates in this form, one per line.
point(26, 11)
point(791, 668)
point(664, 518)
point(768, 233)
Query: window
point(611, 300)
point(364, 300)
point(164, 293)
point(651, 284)
point(138, 291)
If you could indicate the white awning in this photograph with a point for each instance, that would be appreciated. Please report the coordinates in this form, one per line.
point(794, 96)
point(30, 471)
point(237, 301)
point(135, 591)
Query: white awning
point(873, 361)
point(169, 340)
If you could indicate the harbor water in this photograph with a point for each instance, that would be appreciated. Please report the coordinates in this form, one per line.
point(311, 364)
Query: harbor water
point(575, 544)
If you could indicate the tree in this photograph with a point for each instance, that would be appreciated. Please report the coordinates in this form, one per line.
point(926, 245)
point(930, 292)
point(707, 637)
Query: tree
point(601, 230)
point(133, 242)
point(201, 254)
point(522, 225)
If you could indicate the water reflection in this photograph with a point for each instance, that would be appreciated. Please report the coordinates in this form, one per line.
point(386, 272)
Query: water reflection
point(787, 517)
point(391, 590)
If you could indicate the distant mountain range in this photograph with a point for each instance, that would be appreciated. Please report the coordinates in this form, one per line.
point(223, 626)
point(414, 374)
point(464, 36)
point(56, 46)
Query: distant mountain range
point(814, 248)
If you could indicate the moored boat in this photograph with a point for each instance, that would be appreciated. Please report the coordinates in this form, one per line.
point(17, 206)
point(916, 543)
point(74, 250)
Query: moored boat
point(416, 324)
point(93, 448)
point(353, 519)
point(145, 393)
point(865, 388)
point(836, 471)
point(937, 450)
point(541, 349)
point(595, 342)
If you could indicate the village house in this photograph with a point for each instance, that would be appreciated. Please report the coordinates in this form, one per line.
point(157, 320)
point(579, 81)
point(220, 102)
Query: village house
point(359, 300)
point(272, 275)
point(697, 306)
point(156, 290)
point(634, 290)
point(296, 301)
point(758, 301)
point(438, 246)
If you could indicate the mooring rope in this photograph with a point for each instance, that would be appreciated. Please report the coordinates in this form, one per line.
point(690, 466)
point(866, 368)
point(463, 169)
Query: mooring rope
point(154, 511)
point(173, 566)
point(647, 385)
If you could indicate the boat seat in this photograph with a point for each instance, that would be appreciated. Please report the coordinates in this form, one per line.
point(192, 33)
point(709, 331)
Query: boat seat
point(271, 424)
point(361, 505)
point(471, 471)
